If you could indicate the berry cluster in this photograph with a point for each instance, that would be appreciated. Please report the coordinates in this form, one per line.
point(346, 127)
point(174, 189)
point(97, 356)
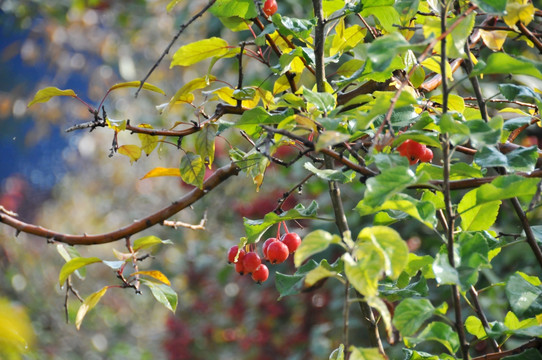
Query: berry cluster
point(415, 151)
point(275, 250)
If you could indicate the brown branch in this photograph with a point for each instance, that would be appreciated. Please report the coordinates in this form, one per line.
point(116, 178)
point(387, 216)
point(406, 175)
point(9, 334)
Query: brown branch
point(531, 240)
point(534, 343)
point(166, 51)
point(213, 181)
point(530, 35)
point(178, 224)
point(479, 311)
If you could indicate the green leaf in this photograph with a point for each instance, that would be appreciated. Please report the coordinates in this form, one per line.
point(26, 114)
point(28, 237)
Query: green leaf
point(330, 138)
point(147, 242)
point(323, 271)
point(299, 28)
point(520, 159)
point(379, 305)
point(481, 217)
point(420, 355)
point(385, 48)
point(505, 187)
point(192, 169)
point(394, 293)
point(444, 272)
point(364, 272)
point(439, 332)
point(244, 9)
point(136, 84)
point(325, 102)
point(163, 293)
point(331, 174)
point(358, 353)
point(524, 93)
point(185, 93)
point(417, 263)
point(473, 249)
point(258, 116)
point(293, 284)
point(255, 228)
point(197, 51)
point(423, 137)
point(390, 181)
point(87, 305)
point(410, 314)
point(423, 211)
point(68, 253)
point(492, 6)
point(46, 94)
point(455, 102)
point(205, 143)
point(501, 63)
point(456, 40)
point(338, 353)
point(524, 297)
point(313, 243)
point(475, 327)
point(386, 15)
point(74, 264)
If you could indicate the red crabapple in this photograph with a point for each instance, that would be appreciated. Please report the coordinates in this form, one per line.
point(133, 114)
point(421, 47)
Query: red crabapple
point(277, 252)
point(232, 253)
point(292, 240)
point(251, 261)
point(260, 274)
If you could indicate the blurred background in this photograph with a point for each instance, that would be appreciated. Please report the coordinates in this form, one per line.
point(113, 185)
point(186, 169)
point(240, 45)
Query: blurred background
point(67, 182)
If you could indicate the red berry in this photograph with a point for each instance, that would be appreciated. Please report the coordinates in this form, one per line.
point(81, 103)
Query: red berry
point(411, 149)
point(232, 253)
point(427, 155)
point(277, 252)
point(251, 261)
point(292, 240)
point(260, 274)
point(270, 7)
point(266, 245)
point(240, 268)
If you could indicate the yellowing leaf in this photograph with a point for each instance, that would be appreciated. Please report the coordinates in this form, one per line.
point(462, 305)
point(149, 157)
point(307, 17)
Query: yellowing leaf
point(136, 84)
point(117, 125)
point(192, 169)
point(148, 142)
point(184, 94)
point(161, 171)
point(154, 274)
point(518, 10)
point(226, 94)
point(46, 94)
point(87, 305)
point(197, 51)
point(132, 151)
point(433, 64)
point(266, 96)
point(74, 264)
point(494, 39)
point(455, 102)
point(346, 38)
point(282, 83)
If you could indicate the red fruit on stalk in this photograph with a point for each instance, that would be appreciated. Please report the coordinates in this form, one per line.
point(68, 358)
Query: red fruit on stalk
point(260, 274)
point(251, 261)
point(270, 7)
point(277, 252)
point(427, 155)
point(232, 253)
point(266, 245)
point(412, 150)
point(240, 268)
point(292, 240)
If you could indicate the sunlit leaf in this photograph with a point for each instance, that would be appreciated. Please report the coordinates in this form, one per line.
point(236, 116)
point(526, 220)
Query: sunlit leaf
point(205, 143)
point(160, 171)
point(330, 138)
point(475, 327)
point(200, 50)
point(148, 142)
point(192, 169)
point(331, 174)
point(314, 243)
point(146, 242)
point(136, 84)
point(524, 297)
point(46, 94)
point(323, 271)
point(501, 63)
point(358, 353)
point(87, 305)
point(518, 11)
point(244, 9)
point(132, 151)
point(338, 353)
point(74, 264)
point(410, 314)
point(364, 272)
point(158, 275)
point(439, 332)
point(163, 294)
point(386, 15)
point(473, 217)
point(494, 39)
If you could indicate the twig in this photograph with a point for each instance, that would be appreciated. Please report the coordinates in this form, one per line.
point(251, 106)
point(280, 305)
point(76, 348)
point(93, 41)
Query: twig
point(534, 343)
point(178, 224)
point(213, 181)
point(286, 195)
point(531, 240)
point(166, 51)
point(530, 35)
point(475, 83)
point(474, 295)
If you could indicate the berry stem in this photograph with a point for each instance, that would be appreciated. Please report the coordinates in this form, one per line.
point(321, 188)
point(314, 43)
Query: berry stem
point(285, 227)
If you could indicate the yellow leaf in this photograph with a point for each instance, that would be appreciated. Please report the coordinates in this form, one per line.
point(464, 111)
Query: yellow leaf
point(346, 38)
point(266, 96)
point(136, 84)
point(279, 41)
point(306, 122)
point(518, 10)
point(87, 305)
point(184, 94)
point(226, 94)
point(154, 274)
point(197, 51)
point(433, 64)
point(282, 83)
point(46, 94)
point(117, 125)
point(160, 171)
point(494, 39)
point(148, 142)
point(132, 151)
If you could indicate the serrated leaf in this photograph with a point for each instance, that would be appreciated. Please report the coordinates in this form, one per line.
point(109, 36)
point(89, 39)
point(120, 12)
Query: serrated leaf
point(444, 272)
point(158, 275)
point(132, 151)
point(364, 272)
point(200, 50)
point(410, 315)
point(74, 264)
point(192, 169)
point(388, 182)
point(148, 142)
point(313, 243)
point(87, 305)
point(160, 171)
point(520, 159)
point(163, 294)
point(477, 217)
point(147, 242)
point(323, 271)
point(439, 332)
point(46, 94)
point(384, 49)
point(136, 84)
point(293, 284)
point(505, 187)
point(255, 228)
point(205, 143)
point(475, 327)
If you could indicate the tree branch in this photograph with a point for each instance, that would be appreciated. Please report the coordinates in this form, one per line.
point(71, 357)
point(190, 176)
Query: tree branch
point(213, 181)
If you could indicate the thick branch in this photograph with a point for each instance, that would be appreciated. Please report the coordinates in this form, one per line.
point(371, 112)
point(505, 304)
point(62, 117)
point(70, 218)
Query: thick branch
point(158, 217)
point(535, 343)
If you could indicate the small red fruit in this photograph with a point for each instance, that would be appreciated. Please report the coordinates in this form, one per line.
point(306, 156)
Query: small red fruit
point(292, 240)
point(232, 253)
point(277, 252)
point(260, 274)
point(251, 261)
point(411, 149)
point(270, 7)
point(266, 245)
point(427, 155)
point(240, 268)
